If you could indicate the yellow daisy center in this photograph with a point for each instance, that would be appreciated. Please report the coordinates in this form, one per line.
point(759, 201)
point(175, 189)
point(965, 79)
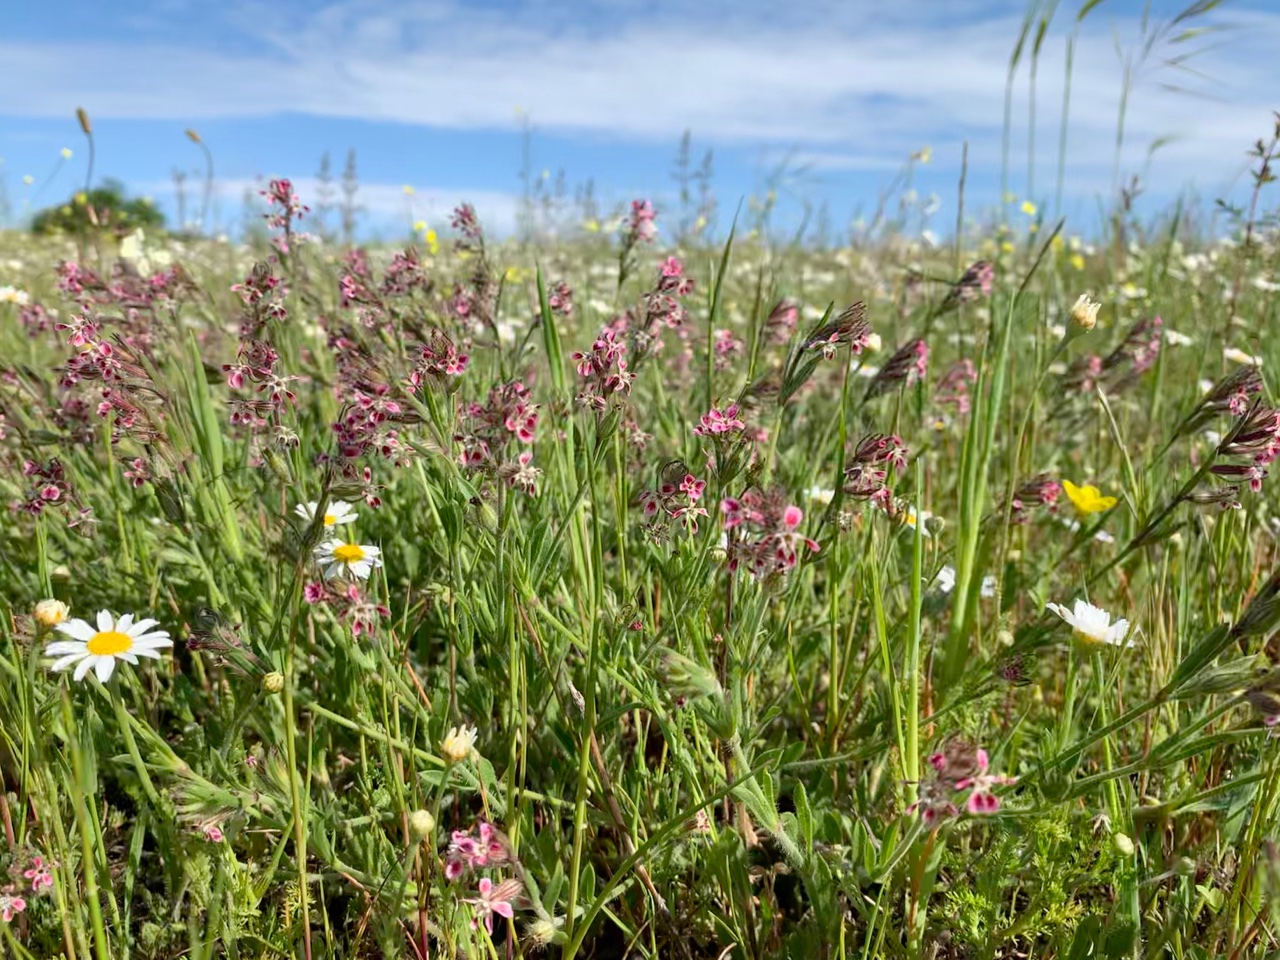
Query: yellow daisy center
point(349, 553)
point(330, 519)
point(107, 643)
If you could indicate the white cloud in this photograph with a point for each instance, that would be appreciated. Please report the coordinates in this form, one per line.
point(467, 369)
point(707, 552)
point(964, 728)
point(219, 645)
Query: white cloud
point(384, 207)
point(856, 89)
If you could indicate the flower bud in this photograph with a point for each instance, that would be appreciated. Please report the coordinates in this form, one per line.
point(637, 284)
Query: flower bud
point(421, 824)
point(50, 613)
point(1084, 315)
point(1123, 844)
point(459, 743)
point(273, 682)
point(83, 117)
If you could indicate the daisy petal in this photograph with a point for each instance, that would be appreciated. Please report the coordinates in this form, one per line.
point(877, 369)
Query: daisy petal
point(139, 628)
point(85, 665)
point(105, 621)
point(63, 662)
point(62, 647)
point(78, 629)
point(104, 667)
point(124, 623)
point(151, 652)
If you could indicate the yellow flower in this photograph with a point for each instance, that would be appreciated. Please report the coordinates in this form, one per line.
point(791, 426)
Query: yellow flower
point(1077, 261)
point(66, 153)
point(433, 242)
point(419, 226)
point(28, 179)
point(925, 154)
point(1006, 247)
point(408, 190)
point(1087, 499)
point(591, 226)
point(1028, 208)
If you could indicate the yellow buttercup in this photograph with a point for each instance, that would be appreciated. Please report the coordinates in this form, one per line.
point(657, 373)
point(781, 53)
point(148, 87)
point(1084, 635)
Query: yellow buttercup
point(1087, 499)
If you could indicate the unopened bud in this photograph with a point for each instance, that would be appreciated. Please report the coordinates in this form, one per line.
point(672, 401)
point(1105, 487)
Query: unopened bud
point(192, 135)
point(83, 117)
point(1084, 315)
point(50, 613)
point(1123, 843)
point(273, 682)
point(421, 824)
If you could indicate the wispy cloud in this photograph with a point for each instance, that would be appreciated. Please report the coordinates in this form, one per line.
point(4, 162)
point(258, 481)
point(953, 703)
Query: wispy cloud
point(855, 91)
point(383, 207)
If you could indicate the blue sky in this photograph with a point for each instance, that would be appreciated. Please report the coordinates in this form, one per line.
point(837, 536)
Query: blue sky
point(431, 94)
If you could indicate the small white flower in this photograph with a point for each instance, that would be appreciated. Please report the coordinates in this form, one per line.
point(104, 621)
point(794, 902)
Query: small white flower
point(1092, 625)
point(920, 523)
point(338, 512)
point(1205, 385)
point(822, 495)
point(945, 581)
point(458, 743)
point(14, 295)
point(99, 648)
point(875, 343)
point(1236, 355)
point(987, 589)
point(1176, 339)
point(354, 559)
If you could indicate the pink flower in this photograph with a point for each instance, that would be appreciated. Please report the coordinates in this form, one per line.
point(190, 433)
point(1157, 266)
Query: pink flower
point(39, 874)
point(495, 899)
point(10, 905)
point(313, 592)
point(212, 833)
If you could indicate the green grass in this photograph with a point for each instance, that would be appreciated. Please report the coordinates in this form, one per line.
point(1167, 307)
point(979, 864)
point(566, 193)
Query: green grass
point(681, 759)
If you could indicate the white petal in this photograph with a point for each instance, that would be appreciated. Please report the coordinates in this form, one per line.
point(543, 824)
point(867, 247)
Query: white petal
point(151, 652)
point(128, 657)
point(85, 665)
point(77, 628)
point(1060, 611)
point(124, 623)
point(104, 667)
point(152, 641)
point(105, 621)
point(360, 569)
point(333, 571)
point(62, 647)
point(63, 662)
point(139, 628)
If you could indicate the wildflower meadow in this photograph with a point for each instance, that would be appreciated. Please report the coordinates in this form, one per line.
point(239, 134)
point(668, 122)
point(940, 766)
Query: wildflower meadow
point(638, 593)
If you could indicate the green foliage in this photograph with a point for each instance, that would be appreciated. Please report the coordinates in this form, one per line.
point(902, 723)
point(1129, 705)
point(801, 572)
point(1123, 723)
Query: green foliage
point(103, 209)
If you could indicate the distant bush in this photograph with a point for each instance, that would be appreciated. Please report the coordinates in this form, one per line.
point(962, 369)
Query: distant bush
point(105, 209)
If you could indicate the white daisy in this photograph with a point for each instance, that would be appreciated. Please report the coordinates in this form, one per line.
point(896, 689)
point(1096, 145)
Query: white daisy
point(822, 495)
point(99, 648)
point(945, 581)
point(1236, 355)
point(14, 295)
point(354, 559)
point(1092, 625)
point(338, 512)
